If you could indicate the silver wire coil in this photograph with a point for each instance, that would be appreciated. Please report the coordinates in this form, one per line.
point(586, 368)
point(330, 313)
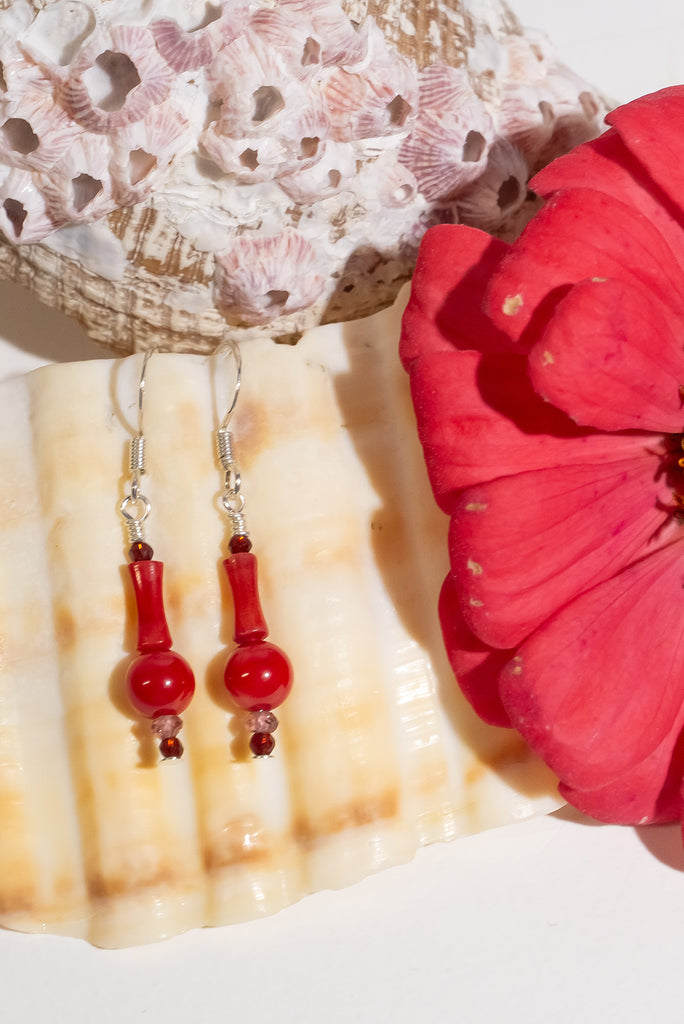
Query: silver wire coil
point(135, 510)
point(237, 521)
point(135, 530)
point(137, 454)
point(224, 440)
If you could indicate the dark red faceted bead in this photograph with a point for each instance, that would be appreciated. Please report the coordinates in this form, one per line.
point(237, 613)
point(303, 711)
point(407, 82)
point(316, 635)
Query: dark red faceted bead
point(140, 552)
point(171, 747)
point(262, 744)
point(239, 542)
point(258, 675)
point(160, 683)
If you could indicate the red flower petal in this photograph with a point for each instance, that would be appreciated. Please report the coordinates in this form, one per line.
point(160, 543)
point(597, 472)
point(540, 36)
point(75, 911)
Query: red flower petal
point(578, 235)
point(597, 689)
point(453, 268)
point(606, 165)
point(523, 546)
point(650, 793)
point(611, 357)
point(479, 419)
point(650, 128)
point(561, 542)
point(476, 666)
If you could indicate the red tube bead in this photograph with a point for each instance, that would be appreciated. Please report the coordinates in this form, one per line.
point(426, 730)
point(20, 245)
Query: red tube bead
point(153, 632)
point(158, 681)
point(250, 624)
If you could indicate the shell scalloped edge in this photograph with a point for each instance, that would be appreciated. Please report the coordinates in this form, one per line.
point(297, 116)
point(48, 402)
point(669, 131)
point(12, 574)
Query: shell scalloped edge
point(377, 753)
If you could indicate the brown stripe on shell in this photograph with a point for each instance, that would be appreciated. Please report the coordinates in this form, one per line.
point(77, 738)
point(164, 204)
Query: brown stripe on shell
point(175, 257)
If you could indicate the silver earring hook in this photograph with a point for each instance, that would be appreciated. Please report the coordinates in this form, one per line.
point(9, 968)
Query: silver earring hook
point(135, 507)
point(235, 352)
point(232, 500)
point(141, 387)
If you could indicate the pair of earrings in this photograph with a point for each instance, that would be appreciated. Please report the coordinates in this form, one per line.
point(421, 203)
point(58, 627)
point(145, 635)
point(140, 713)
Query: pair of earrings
point(159, 682)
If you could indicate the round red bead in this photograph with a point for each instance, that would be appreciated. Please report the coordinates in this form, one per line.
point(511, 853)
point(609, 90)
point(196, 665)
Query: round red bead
point(258, 675)
point(160, 683)
point(262, 744)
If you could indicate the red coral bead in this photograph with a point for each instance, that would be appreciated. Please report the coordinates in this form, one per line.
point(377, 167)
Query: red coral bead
point(258, 675)
point(250, 624)
point(160, 683)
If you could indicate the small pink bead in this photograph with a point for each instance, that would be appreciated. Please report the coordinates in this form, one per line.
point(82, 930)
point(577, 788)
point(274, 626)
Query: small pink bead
point(262, 721)
point(166, 726)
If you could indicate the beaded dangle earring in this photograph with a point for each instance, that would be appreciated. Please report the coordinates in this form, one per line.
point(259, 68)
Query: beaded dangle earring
point(258, 675)
point(159, 682)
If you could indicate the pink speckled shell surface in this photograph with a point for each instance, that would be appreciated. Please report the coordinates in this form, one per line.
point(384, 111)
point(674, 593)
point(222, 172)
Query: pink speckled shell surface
point(171, 174)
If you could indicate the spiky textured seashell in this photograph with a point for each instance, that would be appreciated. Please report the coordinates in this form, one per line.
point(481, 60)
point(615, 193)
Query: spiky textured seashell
point(253, 278)
point(141, 142)
point(499, 190)
point(377, 753)
point(449, 146)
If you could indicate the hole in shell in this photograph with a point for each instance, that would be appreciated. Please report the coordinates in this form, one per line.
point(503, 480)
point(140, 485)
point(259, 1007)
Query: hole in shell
point(473, 147)
point(249, 159)
point(589, 105)
point(84, 188)
point(267, 101)
point(3, 83)
point(213, 112)
point(207, 169)
point(16, 214)
point(398, 111)
point(20, 135)
point(140, 163)
point(273, 299)
point(212, 13)
point(308, 147)
point(546, 111)
point(403, 194)
point(312, 52)
point(334, 177)
point(110, 80)
point(509, 193)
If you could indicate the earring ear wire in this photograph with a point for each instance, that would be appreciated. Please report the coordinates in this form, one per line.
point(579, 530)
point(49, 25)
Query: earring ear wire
point(159, 682)
point(258, 674)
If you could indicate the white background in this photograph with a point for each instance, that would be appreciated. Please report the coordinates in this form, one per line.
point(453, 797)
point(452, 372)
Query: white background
point(555, 921)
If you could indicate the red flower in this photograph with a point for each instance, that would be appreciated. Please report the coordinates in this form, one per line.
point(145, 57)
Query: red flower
point(547, 380)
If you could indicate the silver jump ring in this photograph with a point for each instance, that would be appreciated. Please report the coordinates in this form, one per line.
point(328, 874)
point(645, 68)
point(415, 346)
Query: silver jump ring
point(137, 502)
point(233, 503)
point(233, 481)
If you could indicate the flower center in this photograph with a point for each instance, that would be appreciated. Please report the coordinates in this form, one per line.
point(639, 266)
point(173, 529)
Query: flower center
point(676, 496)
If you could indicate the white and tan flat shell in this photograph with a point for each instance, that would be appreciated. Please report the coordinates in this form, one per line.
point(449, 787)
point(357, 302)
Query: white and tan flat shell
point(170, 171)
point(377, 753)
